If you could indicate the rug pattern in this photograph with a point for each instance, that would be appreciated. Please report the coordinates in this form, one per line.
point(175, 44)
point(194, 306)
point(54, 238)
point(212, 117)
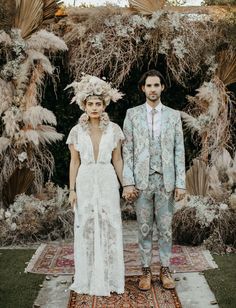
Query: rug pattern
point(157, 297)
point(57, 258)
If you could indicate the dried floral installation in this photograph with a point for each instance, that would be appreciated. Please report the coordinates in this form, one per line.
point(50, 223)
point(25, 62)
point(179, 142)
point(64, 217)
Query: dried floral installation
point(30, 219)
point(27, 127)
point(111, 41)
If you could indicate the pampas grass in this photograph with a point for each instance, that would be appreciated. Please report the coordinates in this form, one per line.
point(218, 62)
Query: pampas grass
point(44, 40)
point(4, 143)
point(37, 115)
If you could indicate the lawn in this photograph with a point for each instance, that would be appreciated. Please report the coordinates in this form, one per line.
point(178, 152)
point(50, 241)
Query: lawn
point(17, 289)
point(223, 280)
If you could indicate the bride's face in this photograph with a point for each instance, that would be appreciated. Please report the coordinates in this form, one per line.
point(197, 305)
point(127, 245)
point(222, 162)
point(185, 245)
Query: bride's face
point(94, 107)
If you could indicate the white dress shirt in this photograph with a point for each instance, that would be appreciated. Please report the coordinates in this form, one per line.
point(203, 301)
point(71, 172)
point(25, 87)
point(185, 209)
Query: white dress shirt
point(157, 119)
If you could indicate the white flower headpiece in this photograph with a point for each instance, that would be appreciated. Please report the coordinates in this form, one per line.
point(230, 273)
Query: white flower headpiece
point(93, 86)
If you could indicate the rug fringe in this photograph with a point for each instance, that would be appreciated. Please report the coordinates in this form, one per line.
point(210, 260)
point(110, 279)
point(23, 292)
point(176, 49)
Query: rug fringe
point(34, 259)
point(209, 258)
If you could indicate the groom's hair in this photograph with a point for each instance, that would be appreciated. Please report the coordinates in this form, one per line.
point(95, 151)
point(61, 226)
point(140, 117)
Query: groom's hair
point(151, 73)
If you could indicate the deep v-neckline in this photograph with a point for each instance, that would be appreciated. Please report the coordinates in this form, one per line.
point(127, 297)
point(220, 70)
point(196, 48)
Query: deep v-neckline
point(92, 147)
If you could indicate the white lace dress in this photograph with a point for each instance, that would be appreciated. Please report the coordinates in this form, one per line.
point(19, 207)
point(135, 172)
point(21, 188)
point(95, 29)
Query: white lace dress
point(98, 245)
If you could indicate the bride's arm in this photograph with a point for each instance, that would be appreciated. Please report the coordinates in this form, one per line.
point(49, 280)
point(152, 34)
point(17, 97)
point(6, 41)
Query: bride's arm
point(74, 166)
point(117, 161)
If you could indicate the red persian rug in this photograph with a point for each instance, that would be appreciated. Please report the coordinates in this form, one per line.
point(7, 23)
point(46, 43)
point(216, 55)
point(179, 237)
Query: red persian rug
point(57, 258)
point(157, 297)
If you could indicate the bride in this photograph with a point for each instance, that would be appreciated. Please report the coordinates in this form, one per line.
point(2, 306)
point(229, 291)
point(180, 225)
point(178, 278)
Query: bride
point(94, 143)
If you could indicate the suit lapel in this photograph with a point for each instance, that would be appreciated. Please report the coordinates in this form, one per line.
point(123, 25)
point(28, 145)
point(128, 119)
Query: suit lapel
point(144, 121)
point(164, 122)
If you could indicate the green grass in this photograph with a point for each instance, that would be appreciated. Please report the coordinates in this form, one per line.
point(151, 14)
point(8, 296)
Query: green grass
point(17, 289)
point(223, 280)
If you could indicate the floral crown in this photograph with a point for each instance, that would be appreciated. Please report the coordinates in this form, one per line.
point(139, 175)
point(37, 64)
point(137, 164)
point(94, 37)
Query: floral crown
point(93, 86)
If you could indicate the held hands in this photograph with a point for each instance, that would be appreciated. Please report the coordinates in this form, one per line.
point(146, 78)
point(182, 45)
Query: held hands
point(179, 194)
point(130, 193)
point(72, 198)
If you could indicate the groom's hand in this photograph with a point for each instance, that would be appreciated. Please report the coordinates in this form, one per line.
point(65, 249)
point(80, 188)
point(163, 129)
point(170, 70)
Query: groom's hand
point(130, 193)
point(179, 194)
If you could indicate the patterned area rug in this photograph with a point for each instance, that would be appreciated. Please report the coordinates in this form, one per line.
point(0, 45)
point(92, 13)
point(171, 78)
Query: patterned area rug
point(157, 297)
point(57, 258)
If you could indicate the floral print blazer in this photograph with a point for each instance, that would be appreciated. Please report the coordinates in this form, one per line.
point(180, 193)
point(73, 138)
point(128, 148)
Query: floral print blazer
point(136, 148)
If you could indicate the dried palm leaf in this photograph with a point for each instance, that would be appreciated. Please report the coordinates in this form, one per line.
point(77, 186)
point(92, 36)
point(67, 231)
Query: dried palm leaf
point(29, 16)
point(226, 69)
point(197, 178)
point(50, 7)
point(7, 14)
point(146, 7)
point(19, 182)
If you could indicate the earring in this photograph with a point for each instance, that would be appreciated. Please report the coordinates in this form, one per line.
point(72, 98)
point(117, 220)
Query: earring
point(83, 120)
point(104, 120)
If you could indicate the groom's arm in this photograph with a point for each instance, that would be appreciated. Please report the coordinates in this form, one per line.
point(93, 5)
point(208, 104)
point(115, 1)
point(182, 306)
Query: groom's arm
point(179, 155)
point(128, 151)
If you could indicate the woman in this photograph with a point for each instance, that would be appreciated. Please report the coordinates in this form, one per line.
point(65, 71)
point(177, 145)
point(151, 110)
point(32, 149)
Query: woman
point(94, 191)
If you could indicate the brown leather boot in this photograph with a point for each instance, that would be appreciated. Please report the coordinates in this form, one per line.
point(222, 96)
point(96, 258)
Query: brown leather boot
point(166, 279)
point(145, 280)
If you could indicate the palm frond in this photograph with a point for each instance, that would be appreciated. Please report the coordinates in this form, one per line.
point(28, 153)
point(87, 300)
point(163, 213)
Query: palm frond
point(197, 178)
point(29, 16)
point(49, 9)
point(44, 40)
point(146, 7)
point(37, 115)
point(226, 69)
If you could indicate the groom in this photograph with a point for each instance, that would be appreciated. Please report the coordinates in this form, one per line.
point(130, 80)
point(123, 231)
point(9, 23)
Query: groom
point(154, 172)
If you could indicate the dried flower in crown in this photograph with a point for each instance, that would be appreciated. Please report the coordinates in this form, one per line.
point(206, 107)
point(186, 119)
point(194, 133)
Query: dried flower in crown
point(93, 86)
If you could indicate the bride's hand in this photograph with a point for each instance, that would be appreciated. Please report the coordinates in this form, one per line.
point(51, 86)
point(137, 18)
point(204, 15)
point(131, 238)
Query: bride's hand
point(72, 198)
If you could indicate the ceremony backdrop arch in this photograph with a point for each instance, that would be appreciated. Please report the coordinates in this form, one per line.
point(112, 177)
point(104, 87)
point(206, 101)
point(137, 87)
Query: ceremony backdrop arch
point(195, 48)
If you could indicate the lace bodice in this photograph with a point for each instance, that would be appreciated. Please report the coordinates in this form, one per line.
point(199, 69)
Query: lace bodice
point(82, 142)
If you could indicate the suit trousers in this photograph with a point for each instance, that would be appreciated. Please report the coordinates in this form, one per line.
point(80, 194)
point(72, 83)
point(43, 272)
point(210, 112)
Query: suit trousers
point(154, 204)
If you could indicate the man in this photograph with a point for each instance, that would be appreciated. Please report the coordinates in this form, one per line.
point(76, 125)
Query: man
point(154, 172)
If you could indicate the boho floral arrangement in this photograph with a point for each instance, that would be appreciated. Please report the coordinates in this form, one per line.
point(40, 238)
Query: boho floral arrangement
point(30, 219)
point(26, 127)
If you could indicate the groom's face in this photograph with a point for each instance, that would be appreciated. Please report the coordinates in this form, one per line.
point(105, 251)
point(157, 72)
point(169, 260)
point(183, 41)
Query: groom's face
point(153, 88)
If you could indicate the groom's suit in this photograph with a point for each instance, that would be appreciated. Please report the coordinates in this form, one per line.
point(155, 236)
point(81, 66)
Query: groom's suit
point(156, 167)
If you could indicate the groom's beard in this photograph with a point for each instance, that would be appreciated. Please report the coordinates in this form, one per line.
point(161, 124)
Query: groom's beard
point(153, 98)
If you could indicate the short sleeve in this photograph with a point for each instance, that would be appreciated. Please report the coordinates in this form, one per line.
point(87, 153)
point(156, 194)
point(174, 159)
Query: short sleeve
point(118, 135)
point(73, 136)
